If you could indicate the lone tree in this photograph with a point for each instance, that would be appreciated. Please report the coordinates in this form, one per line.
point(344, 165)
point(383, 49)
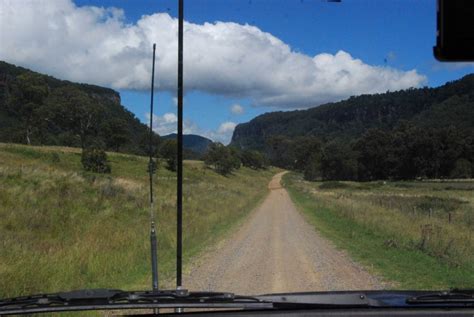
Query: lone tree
point(169, 151)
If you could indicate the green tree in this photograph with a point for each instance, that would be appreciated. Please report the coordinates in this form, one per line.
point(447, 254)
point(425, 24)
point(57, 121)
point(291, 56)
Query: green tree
point(28, 93)
point(169, 151)
point(280, 151)
point(462, 169)
point(253, 159)
point(338, 161)
point(312, 171)
point(374, 158)
point(143, 146)
point(235, 157)
point(78, 112)
point(221, 158)
point(116, 133)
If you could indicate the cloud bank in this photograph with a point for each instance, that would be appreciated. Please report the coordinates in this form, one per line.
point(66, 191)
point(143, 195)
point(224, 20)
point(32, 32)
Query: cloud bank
point(96, 45)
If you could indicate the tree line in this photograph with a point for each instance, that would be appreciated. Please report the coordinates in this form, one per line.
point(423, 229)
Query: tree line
point(225, 159)
point(407, 152)
point(222, 159)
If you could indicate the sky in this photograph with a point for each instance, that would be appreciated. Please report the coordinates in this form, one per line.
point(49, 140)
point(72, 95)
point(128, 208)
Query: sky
point(242, 58)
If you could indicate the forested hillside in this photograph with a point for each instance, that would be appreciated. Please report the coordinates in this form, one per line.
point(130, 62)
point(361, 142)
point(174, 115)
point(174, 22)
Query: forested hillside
point(192, 142)
point(425, 132)
point(42, 110)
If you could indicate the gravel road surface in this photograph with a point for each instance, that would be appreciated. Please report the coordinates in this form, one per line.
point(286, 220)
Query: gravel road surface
point(276, 250)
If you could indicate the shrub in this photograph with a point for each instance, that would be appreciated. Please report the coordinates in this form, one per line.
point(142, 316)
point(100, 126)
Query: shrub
point(95, 160)
point(153, 165)
point(55, 157)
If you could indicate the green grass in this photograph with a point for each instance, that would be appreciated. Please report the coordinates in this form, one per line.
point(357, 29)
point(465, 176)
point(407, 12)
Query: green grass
point(376, 224)
point(62, 228)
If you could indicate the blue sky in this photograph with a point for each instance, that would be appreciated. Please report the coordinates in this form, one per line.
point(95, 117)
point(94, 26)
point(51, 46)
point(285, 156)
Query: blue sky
point(393, 40)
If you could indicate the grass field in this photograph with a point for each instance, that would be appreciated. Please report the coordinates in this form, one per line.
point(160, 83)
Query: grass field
point(62, 228)
point(417, 235)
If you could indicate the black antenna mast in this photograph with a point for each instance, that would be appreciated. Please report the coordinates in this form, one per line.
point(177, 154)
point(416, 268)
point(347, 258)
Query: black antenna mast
point(151, 170)
point(179, 202)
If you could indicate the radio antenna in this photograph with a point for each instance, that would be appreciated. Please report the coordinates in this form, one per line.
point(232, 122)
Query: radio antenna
point(179, 200)
point(151, 170)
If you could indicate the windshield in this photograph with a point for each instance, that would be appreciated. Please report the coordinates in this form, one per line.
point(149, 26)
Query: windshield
point(325, 148)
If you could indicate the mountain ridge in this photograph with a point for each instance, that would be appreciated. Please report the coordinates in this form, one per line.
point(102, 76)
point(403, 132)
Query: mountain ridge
point(39, 109)
point(352, 117)
point(193, 142)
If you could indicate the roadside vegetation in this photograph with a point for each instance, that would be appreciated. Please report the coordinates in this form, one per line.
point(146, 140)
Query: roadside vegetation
point(418, 235)
point(65, 228)
point(225, 159)
point(408, 152)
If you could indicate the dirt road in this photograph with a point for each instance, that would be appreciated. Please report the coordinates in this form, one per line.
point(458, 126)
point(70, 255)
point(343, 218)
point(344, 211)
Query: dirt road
point(275, 250)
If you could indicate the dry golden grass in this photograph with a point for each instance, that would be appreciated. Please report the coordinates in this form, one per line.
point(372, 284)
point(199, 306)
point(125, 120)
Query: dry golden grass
point(434, 220)
point(62, 228)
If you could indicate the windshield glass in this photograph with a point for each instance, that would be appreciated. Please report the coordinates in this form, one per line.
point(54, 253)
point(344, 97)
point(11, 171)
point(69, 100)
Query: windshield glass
point(325, 148)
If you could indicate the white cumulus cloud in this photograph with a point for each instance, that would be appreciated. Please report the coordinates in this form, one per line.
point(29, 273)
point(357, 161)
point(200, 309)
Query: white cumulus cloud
point(226, 127)
point(96, 45)
point(223, 133)
point(167, 124)
point(236, 109)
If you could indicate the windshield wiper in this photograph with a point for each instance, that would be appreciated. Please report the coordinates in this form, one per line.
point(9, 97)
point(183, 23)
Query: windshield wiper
point(105, 299)
point(455, 296)
point(101, 299)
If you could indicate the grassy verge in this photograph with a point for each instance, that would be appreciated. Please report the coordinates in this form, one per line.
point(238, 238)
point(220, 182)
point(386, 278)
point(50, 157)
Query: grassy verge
point(385, 227)
point(62, 228)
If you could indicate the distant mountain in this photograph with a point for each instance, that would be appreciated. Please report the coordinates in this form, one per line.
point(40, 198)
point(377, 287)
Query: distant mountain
point(42, 110)
point(192, 142)
point(449, 105)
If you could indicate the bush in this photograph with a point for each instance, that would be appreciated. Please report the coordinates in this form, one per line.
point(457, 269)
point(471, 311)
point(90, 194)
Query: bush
point(95, 160)
point(153, 165)
point(55, 157)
